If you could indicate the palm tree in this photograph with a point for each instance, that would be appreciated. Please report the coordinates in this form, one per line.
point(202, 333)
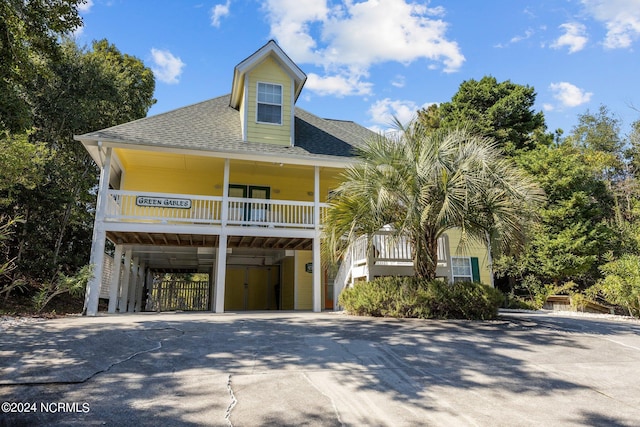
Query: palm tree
point(424, 182)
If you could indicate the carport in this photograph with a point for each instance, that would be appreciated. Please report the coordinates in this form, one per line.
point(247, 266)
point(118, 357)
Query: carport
point(260, 272)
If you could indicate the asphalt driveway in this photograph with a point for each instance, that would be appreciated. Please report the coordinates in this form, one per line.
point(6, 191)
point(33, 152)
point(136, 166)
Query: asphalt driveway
point(325, 369)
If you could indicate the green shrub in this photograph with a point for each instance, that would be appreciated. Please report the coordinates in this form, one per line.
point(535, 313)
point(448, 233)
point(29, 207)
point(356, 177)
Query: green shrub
point(621, 283)
point(407, 297)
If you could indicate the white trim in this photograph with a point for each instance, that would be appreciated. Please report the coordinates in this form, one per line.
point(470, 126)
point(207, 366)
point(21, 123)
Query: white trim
point(99, 238)
point(317, 266)
point(221, 274)
point(454, 276)
point(281, 105)
point(263, 157)
point(292, 134)
point(245, 112)
point(224, 214)
point(295, 281)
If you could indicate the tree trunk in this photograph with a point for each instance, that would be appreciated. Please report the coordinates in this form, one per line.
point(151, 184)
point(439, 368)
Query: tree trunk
point(426, 256)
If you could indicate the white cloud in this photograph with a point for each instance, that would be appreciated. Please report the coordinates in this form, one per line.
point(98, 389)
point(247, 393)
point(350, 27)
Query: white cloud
point(338, 85)
point(218, 12)
point(574, 37)
point(346, 38)
point(398, 81)
point(621, 18)
point(167, 67)
point(569, 95)
point(527, 34)
point(383, 111)
point(85, 7)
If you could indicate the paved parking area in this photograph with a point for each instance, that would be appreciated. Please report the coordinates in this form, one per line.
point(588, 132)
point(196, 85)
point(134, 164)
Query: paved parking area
point(324, 369)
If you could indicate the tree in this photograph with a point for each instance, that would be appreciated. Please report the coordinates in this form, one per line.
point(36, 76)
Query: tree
point(423, 183)
point(84, 90)
point(502, 111)
point(29, 32)
point(621, 283)
point(576, 225)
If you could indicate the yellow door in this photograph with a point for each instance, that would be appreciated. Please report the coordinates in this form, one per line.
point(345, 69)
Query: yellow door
point(250, 288)
point(234, 293)
point(258, 297)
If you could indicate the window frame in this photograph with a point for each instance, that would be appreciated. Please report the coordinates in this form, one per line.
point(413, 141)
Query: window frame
point(258, 102)
point(463, 278)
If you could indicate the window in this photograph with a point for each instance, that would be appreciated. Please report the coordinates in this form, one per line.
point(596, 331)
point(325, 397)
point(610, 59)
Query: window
point(461, 269)
point(269, 103)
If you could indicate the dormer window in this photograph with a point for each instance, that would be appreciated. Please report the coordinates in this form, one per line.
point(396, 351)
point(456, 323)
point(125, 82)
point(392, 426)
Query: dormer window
point(269, 103)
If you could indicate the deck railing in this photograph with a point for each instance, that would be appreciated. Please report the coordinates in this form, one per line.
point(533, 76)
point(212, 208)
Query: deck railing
point(387, 253)
point(131, 206)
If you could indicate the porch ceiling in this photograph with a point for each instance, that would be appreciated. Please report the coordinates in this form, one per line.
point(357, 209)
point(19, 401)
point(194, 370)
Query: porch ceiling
point(171, 252)
point(209, 241)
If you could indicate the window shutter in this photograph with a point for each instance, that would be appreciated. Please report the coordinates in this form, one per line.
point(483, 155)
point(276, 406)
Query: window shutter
point(475, 269)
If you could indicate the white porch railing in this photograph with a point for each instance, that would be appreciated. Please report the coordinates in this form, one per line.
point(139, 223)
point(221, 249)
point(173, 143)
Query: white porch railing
point(388, 255)
point(132, 206)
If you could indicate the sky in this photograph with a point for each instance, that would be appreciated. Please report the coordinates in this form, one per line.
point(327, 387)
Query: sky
point(371, 60)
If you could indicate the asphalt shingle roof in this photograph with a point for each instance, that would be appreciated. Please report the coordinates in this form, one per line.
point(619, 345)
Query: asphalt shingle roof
point(213, 125)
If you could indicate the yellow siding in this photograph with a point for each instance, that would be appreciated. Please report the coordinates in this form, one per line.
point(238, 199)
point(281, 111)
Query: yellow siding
point(173, 173)
point(287, 182)
point(288, 282)
point(268, 71)
point(472, 250)
point(304, 281)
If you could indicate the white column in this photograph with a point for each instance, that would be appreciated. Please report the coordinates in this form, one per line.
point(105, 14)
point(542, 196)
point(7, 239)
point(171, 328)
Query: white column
point(149, 283)
point(221, 255)
point(133, 285)
point(140, 287)
point(115, 279)
point(224, 215)
point(124, 288)
point(98, 241)
point(221, 273)
point(317, 264)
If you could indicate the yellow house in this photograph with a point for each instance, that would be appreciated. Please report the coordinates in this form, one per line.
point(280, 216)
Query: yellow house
point(234, 187)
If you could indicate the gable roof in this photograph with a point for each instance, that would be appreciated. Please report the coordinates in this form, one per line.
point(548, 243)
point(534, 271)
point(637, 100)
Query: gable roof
point(271, 49)
point(213, 127)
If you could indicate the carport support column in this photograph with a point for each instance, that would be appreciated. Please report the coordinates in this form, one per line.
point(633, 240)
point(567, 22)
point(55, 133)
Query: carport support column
point(99, 238)
point(317, 266)
point(133, 283)
point(124, 289)
point(221, 256)
point(140, 286)
point(221, 273)
point(115, 279)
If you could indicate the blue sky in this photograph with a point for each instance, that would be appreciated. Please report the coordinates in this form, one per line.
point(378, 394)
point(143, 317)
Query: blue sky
point(369, 60)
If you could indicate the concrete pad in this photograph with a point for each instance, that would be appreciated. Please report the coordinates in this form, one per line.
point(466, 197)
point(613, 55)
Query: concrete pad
point(192, 369)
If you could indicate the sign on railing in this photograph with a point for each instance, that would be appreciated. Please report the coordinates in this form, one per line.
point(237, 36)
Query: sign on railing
point(196, 209)
point(163, 202)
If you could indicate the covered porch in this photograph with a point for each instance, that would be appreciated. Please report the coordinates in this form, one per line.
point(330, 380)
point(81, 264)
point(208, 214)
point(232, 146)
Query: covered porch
point(212, 233)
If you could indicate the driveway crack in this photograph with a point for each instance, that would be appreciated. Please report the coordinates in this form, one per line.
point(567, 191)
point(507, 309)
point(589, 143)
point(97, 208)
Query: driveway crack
point(232, 404)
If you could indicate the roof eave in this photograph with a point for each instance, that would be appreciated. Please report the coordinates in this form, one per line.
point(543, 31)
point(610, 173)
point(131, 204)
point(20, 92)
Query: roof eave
point(93, 145)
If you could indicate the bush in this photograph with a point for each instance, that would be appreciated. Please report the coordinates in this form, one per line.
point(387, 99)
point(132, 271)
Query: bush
point(621, 284)
point(407, 297)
